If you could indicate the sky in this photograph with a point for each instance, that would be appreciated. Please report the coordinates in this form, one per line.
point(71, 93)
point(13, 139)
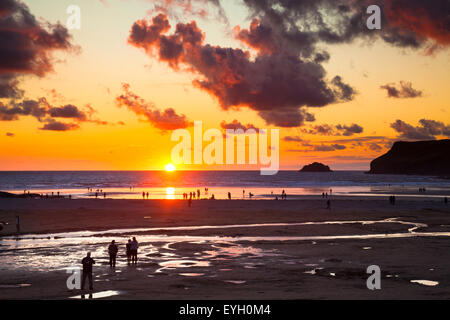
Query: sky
point(109, 95)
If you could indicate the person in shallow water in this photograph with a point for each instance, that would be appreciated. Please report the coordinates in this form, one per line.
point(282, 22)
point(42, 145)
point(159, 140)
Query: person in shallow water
point(87, 263)
point(134, 249)
point(112, 250)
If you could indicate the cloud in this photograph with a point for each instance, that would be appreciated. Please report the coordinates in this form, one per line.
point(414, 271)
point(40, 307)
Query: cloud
point(53, 125)
point(43, 111)
point(426, 130)
point(292, 139)
point(236, 125)
point(164, 120)
point(9, 134)
point(326, 148)
point(405, 23)
point(26, 46)
point(276, 83)
point(349, 130)
point(330, 130)
point(404, 90)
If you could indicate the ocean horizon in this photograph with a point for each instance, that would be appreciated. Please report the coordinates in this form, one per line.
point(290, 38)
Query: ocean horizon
point(172, 185)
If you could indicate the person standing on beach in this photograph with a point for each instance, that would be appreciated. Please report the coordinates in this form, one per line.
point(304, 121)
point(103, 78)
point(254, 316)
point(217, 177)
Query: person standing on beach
point(18, 224)
point(328, 204)
point(128, 251)
point(445, 200)
point(229, 195)
point(87, 263)
point(134, 249)
point(112, 250)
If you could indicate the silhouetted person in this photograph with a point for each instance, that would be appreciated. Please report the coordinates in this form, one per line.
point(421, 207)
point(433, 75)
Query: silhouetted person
point(112, 250)
point(134, 250)
point(229, 195)
point(250, 195)
point(143, 195)
point(128, 251)
point(445, 200)
point(87, 263)
point(328, 204)
point(104, 195)
point(243, 193)
point(148, 194)
point(198, 193)
point(96, 195)
point(17, 224)
point(212, 197)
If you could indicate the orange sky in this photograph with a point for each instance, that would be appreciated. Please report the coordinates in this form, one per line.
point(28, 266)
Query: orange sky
point(94, 76)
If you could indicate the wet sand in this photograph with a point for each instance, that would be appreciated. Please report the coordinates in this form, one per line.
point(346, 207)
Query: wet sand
point(241, 249)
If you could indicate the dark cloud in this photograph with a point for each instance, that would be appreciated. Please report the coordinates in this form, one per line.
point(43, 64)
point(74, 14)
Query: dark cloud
point(327, 148)
point(404, 90)
point(426, 130)
point(330, 130)
point(349, 130)
point(9, 134)
point(277, 83)
point(67, 111)
point(305, 23)
point(53, 125)
point(164, 120)
point(293, 139)
point(236, 125)
point(26, 46)
point(44, 112)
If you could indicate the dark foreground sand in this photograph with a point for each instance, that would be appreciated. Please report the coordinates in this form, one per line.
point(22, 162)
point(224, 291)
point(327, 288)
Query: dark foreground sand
point(202, 266)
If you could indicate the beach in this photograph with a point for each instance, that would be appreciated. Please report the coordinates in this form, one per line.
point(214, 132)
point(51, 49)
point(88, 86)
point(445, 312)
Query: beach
point(239, 249)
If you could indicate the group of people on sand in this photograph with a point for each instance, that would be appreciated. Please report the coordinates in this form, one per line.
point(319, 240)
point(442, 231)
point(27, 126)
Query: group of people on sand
point(392, 200)
point(87, 262)
point(145, 195)
point(192, 195)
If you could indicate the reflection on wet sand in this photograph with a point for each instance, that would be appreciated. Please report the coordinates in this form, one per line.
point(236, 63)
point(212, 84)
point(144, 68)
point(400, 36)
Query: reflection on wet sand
point(181, 256)
point(97, 295)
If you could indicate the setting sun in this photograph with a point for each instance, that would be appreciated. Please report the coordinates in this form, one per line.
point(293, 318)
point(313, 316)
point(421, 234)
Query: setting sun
point(170, 167)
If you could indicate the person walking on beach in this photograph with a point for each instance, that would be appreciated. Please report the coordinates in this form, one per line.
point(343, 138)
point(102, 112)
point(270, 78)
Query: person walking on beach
point(87, 263)
point(112, 250)
point(134, 250)
point(328, 204)
point(128, 251)
point(143, 195)
point(229, 195)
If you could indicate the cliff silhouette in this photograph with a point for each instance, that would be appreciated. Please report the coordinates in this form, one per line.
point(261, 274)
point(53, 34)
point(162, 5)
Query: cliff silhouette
point(415, 158)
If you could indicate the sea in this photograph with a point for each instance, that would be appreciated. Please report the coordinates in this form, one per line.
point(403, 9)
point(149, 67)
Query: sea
point(240, 184)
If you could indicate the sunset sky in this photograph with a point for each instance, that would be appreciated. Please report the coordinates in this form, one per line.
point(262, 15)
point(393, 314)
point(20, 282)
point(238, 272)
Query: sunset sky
point(107, 96)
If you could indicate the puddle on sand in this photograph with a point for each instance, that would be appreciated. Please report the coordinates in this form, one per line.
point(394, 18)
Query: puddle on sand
point(97, 295)
point(9, 286)
point(427, 283)
point(174, 264)
point(367, 248)
point(192, 274)
point(314, 271)
point(235, 281)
